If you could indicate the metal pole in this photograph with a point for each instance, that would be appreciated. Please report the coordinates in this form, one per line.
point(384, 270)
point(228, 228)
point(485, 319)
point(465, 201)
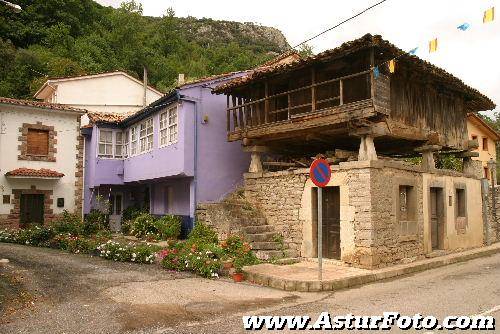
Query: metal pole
point(320, 233)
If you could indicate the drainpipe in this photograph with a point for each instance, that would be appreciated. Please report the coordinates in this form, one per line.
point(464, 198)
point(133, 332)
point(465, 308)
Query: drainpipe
point(194, 100)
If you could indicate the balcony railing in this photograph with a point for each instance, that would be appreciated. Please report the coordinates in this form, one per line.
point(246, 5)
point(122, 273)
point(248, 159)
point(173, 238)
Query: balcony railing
point(243, 113)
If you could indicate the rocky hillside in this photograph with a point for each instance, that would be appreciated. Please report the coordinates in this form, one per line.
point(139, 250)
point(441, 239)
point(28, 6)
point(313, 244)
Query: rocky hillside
point(73, 37)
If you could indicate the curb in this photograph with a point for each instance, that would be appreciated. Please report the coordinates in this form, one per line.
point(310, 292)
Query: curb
point(376, 275)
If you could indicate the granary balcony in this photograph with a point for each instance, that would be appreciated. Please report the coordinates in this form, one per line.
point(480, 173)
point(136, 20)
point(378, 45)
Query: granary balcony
point(317, 104)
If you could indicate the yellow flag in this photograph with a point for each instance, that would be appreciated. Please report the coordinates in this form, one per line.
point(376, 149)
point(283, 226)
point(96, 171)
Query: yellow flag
point(392, 65)
point(489, 15)
point(433, 45)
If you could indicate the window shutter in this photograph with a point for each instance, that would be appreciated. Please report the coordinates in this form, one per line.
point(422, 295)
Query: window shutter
point(38, 142)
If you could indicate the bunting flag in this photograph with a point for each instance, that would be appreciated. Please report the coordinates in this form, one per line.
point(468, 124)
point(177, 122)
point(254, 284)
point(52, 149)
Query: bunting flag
point(489, 15)
point(433, 45)
point(376, 72)
point(392, 65)
point(463, 26)
point(413, 51)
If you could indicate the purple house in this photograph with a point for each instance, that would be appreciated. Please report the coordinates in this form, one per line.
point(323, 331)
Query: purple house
point(169, 156)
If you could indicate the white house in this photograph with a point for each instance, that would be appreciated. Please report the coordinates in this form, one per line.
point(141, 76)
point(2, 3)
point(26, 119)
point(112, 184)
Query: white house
point(112, 92)
point(41, 161)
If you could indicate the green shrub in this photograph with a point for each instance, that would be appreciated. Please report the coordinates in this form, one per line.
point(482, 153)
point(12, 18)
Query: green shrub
point(94, 222)
point(143, 225)
point(36, 236)
point(128, 252)
point(131, 213)
point(203, 233)
point(68, 223)
point(168, 227)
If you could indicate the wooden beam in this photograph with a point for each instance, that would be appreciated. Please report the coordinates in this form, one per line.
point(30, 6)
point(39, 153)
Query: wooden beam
point(266, 102)
point(313, 89)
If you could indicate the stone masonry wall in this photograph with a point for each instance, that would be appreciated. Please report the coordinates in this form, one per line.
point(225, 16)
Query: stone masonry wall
point(278, 196)
point(492, 225)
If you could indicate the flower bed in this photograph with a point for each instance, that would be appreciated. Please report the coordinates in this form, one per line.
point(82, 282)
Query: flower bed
point(201, 253)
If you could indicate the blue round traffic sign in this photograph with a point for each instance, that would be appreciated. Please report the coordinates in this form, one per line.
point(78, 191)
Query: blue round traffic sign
point(320, 172)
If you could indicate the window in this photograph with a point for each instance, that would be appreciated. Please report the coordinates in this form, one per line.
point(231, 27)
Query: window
point(460, 204)
point(125, 143)
point(146, 135)
point(474, 137)
point(406, 210)
point(106, 143)
point(37, 142)
point(115, 204)
point(485, 144)
point(133, 137)
point(6, 199)
point(118, 145)
point(486, 172)
point(168, 126)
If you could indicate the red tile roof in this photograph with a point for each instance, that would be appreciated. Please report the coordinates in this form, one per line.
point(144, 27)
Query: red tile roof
point(108, 118)
point(28, 172)
point(37, 104)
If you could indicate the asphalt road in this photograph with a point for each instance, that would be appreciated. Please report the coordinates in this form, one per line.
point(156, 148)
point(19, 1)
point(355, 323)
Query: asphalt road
point(64, 293)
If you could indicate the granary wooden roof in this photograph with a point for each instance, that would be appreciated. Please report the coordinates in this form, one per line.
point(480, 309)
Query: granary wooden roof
point(477, 101)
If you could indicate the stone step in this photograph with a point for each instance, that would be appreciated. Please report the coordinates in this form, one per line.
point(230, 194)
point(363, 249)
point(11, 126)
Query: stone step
point(260, 237)
point(257, 229)
point(268, 254)
point(252, 221)
point(266, 245)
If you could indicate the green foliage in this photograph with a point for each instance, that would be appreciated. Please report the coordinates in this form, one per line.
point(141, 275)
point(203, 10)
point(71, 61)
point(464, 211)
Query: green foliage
point(148, 226)
point(449, 161)
point(68, 223)
point(139, 253)
point(94, 222)
point(71, 37)
point(131, 213)
point(203, 233)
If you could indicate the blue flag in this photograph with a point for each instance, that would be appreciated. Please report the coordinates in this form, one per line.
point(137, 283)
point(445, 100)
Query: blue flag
point(376, 71)
point(413, 51)
point(463, 26)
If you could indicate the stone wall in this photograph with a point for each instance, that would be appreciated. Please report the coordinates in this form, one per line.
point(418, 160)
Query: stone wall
point(278, 196)
point(371, 234)
point(492, 223)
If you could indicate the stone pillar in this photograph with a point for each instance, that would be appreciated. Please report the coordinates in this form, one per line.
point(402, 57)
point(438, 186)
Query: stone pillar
point(367, 150)
point(428, 163)
point(255, 158)
point(492, 168)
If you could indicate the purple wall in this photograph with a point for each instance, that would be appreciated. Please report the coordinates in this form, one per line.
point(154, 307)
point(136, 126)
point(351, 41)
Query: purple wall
point(220, 164)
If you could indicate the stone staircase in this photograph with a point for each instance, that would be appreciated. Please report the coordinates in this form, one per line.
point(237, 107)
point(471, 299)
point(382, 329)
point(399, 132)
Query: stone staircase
point(235, 215)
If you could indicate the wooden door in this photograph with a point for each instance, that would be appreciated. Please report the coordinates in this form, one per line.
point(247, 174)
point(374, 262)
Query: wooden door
point(436, 218)
point(331, 222)
point(32, 208)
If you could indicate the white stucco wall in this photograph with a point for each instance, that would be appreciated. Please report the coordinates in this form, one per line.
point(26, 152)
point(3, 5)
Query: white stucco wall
point(67, 127)
point(111, 93)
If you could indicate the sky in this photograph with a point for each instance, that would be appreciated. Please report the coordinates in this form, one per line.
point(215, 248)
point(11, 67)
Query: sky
point(472, 55)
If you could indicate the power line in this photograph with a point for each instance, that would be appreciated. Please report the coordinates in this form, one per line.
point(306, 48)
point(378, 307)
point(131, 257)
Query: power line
point(341, 23)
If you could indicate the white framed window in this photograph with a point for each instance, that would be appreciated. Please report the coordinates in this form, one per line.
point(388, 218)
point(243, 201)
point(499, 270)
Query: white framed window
point(146, 135)
point(126, 140)
point(133, 141)
point(106, 143)
point(119, 145)
point(168, 126)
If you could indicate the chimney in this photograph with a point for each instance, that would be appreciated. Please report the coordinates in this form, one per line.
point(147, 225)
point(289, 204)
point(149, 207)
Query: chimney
point(181, 80)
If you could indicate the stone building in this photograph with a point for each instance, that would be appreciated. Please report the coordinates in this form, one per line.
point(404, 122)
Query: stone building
point(41, 162)
point(381, 130)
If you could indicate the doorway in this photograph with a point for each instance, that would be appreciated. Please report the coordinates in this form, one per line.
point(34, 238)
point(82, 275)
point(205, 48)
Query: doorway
point(115, 211)
point(436, 208)
point(31, 209)
point(331, 222)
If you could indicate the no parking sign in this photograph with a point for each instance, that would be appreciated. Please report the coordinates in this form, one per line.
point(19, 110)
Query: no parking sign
point(320, 174)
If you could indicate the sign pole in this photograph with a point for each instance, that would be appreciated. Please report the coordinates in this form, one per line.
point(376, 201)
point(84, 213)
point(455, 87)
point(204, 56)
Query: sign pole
point(320, 233)
point(320, 173)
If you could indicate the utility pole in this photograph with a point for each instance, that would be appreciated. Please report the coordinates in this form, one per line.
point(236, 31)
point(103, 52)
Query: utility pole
point(145, 79)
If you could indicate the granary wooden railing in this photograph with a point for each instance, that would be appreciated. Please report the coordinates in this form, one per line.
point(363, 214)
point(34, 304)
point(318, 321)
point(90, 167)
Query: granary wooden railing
point(245, 112)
